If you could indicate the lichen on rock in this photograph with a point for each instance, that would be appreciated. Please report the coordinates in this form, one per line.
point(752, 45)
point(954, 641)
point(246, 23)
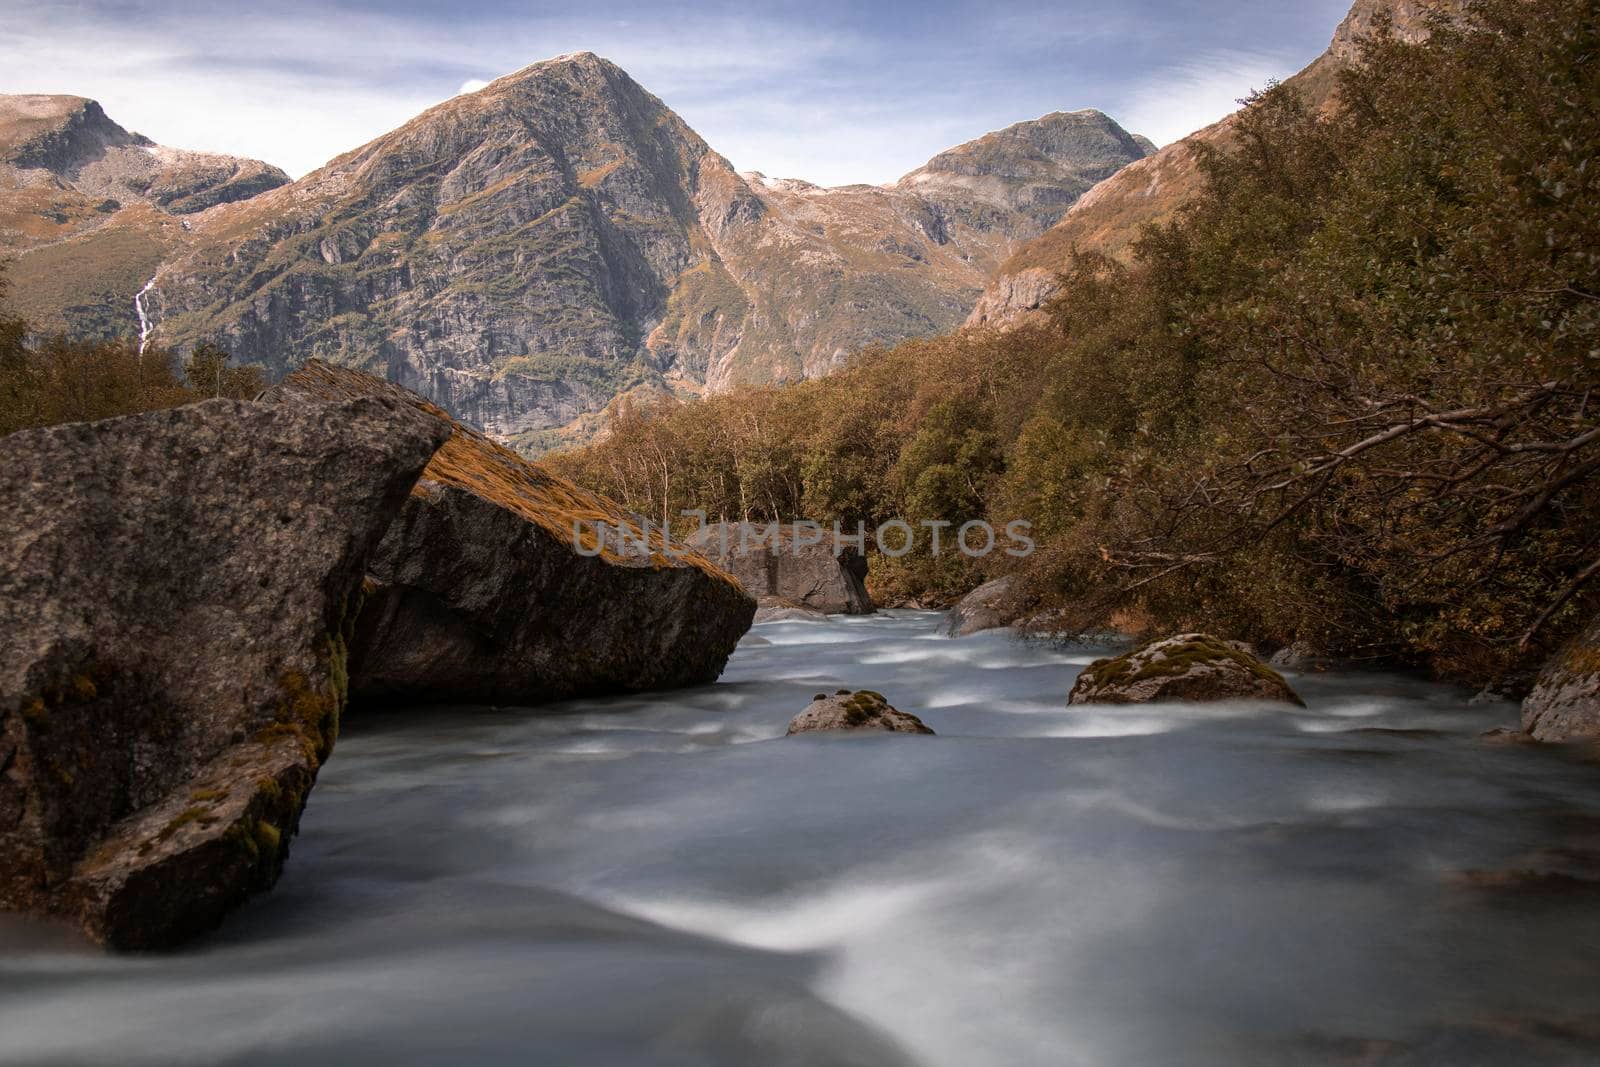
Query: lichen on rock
point(1565, 702)
point(173, 615)
point(864, 709)
point(1186, 667)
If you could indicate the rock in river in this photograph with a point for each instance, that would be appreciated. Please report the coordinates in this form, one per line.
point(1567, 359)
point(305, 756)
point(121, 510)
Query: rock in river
point(985, 608)
point(1188, 667)
point(493, 584)
point(863, 710)
point(176, 593)
point(1565, 702)
point(782, 560)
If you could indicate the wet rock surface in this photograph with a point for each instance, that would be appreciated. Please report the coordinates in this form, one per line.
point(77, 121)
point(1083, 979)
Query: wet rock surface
point(985, 608)
point(782, 609)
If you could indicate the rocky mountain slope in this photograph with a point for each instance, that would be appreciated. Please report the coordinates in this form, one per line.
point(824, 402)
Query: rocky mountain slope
point(1151, 191)
point(825, 272)
point(92, 209)
point(524, 254)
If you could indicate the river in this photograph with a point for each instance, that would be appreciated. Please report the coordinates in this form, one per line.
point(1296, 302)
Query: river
point(667, 880)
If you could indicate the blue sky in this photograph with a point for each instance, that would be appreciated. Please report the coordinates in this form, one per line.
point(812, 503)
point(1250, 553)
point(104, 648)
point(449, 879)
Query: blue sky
point(830, 92)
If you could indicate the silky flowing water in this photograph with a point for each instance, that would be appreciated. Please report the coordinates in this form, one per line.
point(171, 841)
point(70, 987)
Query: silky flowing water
point(667, 880)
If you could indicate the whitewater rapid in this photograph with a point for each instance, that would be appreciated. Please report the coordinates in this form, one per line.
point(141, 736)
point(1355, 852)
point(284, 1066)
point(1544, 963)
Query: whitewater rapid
point(667, 880)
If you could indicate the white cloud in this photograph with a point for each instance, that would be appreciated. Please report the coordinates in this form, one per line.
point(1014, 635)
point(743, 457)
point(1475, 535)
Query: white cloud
point(298, 86)
point(1187, 97)
point(829, 100)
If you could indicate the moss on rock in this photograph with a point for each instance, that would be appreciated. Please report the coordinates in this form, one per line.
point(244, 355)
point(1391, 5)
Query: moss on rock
point(1187, 667)
point(865, 709)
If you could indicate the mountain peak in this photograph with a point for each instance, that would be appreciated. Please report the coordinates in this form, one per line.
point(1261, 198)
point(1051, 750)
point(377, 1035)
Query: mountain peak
point(580, 63)
point(525, 253)
point(1036, 168)
point(57, 133)
point(1086, 140)
point(1110, 218)
point(1408, 19)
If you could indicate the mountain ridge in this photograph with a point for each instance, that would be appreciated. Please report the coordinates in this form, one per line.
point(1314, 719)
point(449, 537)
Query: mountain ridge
point(526, 253)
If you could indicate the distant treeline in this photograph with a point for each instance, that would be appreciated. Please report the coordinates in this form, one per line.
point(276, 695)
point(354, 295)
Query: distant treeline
point(54, 379)
point(1349, 397)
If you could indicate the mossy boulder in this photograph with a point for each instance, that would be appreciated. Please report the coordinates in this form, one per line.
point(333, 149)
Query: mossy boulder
point(1564, 704)
point(860, 710)
point(177, 590)
point(1188, 667)
point(493, 584)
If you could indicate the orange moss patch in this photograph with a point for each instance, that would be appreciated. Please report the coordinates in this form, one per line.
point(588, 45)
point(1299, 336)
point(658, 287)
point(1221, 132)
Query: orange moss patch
point(552, 503)
point(1582, 658)
point(472, 462)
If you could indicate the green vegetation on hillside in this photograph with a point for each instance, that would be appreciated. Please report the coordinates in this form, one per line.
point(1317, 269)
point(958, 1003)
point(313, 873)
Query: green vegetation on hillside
point(1348, 397)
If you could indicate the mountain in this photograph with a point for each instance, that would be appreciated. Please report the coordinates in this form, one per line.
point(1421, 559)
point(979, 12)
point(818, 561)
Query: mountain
point(825, 272)
point(1032, 171)
point(526, 253)
point(95, 209)
point(1151, 191)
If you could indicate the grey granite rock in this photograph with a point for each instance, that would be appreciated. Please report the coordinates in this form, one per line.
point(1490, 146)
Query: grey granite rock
point(985, 608)
point(1565, 702)
point(491, 585)
point(177, 590)
point(781, 560)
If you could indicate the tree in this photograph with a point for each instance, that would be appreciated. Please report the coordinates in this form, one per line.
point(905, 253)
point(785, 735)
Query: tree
point(207, 373)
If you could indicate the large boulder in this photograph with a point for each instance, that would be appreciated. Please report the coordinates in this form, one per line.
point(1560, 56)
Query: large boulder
point(1565, 701)
point(177, 590)
point(493, 585)
point(863, 710)
point(771, 561)
point(985, 608)
point(1188, 667)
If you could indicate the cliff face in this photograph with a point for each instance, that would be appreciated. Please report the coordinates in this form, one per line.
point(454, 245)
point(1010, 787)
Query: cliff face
point(496, 254)
point(90, 210)
point(1109, 217)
